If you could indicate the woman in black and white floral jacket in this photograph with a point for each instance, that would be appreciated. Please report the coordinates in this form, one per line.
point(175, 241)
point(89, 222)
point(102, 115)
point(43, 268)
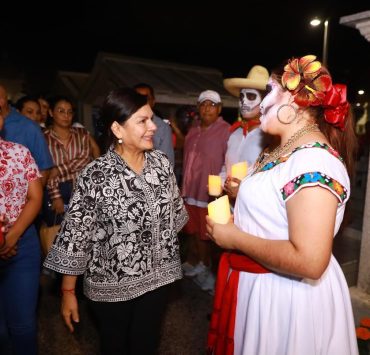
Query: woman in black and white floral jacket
point(120, 232)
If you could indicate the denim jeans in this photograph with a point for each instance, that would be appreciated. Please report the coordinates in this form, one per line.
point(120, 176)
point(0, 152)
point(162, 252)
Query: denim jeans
point(19, 287)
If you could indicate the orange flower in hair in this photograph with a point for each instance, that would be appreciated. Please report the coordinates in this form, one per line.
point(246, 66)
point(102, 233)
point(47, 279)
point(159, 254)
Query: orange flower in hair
point(296, 68)
point(305, 79)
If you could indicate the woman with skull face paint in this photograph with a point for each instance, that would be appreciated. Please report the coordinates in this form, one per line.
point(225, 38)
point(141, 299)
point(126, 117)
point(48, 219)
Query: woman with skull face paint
point(246, 140)
point(279, 288)
point(120, 232)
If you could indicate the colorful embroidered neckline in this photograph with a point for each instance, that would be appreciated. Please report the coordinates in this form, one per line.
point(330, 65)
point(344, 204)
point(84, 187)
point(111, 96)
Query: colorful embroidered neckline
point(284, 158)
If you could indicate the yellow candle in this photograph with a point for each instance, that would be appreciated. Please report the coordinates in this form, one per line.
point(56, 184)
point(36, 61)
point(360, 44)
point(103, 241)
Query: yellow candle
point(239, 171)
point(219, 210)
point(214, 185)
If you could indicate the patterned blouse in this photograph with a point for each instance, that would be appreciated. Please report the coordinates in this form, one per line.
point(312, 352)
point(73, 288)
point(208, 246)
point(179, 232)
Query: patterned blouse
point(17, 170)
point(121, 228)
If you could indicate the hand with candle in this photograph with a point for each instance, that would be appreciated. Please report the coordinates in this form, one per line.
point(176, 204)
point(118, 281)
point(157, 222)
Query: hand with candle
point(224, 235)
point(231, 187)
point(238, 172)
point(219, 210)
point(214, 185)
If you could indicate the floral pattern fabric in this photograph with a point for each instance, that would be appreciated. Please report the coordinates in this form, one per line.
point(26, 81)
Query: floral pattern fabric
point(17, 170)
point(313, 179)
point(121, 228)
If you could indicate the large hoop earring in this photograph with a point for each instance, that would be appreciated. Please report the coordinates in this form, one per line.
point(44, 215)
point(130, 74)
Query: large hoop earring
point(290, 120)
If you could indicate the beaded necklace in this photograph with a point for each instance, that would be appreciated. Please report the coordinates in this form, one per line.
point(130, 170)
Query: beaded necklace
point(282, 150)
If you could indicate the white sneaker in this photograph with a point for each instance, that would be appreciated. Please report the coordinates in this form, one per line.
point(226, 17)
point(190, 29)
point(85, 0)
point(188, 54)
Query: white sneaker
point(209, 283)
point(186, 267)
point(199, 268)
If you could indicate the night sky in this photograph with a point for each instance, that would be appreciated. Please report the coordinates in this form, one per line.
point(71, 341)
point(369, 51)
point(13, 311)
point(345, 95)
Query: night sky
point(224, 35)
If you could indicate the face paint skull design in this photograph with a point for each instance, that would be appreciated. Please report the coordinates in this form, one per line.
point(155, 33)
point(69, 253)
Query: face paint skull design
point(249, 99)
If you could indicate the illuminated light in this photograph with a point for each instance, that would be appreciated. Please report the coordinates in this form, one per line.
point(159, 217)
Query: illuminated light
point(214, 185)
point(315, 22)
point(219, 210)
point(239, 171)
point(361, 92)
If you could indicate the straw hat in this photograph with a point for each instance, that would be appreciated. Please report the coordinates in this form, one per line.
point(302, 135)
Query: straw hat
point(257, 78)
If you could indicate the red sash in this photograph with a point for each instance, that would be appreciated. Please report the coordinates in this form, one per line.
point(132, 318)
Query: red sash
point(221, 329)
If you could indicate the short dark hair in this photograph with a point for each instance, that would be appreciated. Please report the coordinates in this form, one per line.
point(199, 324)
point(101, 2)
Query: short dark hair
point(57, 98)
point(119, 105)
point(144, 86)
point(27, 98)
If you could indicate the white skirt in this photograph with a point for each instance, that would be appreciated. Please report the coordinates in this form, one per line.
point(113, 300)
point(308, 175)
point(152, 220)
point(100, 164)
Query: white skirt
point(278, 315)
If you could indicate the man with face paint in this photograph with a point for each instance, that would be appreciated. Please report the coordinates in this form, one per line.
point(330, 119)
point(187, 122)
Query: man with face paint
point(247, 140)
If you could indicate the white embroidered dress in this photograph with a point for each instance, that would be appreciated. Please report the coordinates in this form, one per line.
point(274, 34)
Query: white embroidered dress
point(282, 315)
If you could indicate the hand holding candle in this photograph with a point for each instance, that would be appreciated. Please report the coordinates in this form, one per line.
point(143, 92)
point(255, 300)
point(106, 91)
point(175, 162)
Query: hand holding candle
point(239, 171)
point(219, 210)
point(214, 185)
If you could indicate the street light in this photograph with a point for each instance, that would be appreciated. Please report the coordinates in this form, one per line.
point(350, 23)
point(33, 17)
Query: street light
point(315, 22)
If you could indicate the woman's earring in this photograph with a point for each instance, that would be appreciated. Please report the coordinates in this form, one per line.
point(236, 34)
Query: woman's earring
point(290, 116)
point(120, 141)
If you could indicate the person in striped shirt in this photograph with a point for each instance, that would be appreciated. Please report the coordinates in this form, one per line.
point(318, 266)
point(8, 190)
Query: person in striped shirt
point(71, 150)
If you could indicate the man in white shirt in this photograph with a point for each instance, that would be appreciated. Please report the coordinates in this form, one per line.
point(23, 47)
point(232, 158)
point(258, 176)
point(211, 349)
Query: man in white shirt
point(247, 140)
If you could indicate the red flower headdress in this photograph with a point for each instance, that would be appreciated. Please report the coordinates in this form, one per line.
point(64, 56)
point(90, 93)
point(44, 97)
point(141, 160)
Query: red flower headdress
point(311, 86)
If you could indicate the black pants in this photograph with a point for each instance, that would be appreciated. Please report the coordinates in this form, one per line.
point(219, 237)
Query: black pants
point(131, 327)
